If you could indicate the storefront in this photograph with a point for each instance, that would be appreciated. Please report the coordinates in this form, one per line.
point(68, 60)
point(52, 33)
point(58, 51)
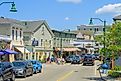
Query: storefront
point(64, 52)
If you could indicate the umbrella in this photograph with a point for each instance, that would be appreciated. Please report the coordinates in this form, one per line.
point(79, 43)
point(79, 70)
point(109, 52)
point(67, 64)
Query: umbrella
point(8, 51)
point(1, 53)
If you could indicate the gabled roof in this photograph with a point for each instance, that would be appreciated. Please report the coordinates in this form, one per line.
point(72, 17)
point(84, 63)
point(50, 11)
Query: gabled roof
point(33, 26)
point(117, 18)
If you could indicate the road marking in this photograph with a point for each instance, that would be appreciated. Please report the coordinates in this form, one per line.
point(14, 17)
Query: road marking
point(65, 76)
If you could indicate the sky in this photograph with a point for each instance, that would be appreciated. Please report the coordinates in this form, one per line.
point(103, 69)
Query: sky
point(63, 14)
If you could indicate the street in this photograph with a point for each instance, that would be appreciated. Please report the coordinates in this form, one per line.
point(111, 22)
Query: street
point(67, 72)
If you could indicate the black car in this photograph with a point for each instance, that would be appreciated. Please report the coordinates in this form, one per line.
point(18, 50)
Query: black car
point(6, 71)
point(23, 68)
point(88, 59)
point(76, 60)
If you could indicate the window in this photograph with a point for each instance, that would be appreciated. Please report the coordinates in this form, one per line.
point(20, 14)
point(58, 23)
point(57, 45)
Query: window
point(42, 30)
point(16, 34)
point(97, 29)
point(33, 56)
point(20, 34)
point(84, 28)
point(41, 42)
point(90, 28)
point(50, 43)
point(27, 56)
point(12, 34)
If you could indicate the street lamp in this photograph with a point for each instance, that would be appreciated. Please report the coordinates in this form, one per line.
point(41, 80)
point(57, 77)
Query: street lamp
point(13, 8)
point(104, 24)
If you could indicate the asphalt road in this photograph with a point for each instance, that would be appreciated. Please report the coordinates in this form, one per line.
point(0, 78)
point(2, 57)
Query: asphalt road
point(67, 72)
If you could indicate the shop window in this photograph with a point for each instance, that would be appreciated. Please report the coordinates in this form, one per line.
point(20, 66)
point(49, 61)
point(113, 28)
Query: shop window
point(33, 56)
point(27, 56)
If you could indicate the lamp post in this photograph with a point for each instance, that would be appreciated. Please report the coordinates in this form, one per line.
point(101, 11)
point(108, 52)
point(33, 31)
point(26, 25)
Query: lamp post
point(104, 25)
point(13, 7)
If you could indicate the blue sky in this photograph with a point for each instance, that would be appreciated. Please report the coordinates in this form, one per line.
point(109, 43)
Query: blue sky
point(63, 14)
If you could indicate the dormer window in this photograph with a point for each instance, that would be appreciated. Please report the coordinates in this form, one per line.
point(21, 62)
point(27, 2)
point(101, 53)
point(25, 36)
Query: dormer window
point(42, 30)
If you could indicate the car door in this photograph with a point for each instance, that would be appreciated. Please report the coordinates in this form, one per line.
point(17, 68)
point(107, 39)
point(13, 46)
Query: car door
point(30, 67)
point(6, 70)
point(38, 65)
point(4, 73)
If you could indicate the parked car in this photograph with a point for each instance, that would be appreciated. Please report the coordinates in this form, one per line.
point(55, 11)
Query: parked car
point(69, 58)
point(97, 56)
point(6, 71)
point(88, 59)
point(37, 66)
point(76, 60)
point(23, 68)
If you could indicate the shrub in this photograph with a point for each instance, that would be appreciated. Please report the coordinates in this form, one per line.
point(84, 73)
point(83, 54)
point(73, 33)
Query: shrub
point(113, 74)
point(117, 68)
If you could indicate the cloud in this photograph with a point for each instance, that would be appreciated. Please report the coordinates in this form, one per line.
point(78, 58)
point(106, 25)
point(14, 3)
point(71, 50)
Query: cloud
point(67, 18)
point(110, 8)
point(70, 1)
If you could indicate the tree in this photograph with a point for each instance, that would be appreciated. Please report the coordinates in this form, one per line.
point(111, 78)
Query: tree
point(112, 42)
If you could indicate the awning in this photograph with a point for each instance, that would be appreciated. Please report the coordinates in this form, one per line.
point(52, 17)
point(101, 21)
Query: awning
point(22, 50)
point(68, 49)
point(8, 51)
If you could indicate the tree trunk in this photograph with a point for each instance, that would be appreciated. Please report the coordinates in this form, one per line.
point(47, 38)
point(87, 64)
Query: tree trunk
point(113, 64)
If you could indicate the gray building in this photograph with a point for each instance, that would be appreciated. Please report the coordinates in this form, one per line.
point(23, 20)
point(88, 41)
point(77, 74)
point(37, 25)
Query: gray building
point(96, 29)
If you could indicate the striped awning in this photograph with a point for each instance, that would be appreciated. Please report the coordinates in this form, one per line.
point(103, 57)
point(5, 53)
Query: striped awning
point(68, 49)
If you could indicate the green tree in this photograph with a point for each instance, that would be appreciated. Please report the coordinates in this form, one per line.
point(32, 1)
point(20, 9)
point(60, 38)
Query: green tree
point(112, 42)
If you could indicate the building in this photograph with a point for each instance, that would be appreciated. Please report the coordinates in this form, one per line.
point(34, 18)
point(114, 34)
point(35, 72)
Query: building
point(62, 43)
point(117, 18)
point(37, 39)
point(13, 31)
point(96, 29)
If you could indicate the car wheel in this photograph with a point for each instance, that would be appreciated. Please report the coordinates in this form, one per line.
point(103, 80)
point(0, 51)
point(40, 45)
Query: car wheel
point(12, 78)
point(93, 64)
point(32, 73)
point(36, 71)
point(1, 78)
point(84, 64)
point(24, 74)
point(40, 71)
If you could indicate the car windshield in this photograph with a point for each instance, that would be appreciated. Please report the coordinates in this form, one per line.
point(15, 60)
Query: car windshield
point(89, 56)
point(18, 64)
point(33, 62)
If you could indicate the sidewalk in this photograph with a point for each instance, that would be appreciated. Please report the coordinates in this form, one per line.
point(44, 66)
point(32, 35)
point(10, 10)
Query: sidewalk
point(106, 77)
